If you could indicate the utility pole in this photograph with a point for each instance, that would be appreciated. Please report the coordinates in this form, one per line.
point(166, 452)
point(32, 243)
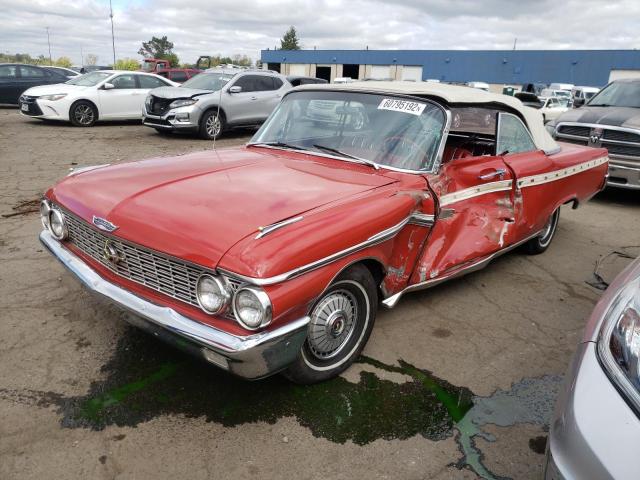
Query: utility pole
point(113, 40)
point(81, 57)
point(515, 42)
point(49, 43)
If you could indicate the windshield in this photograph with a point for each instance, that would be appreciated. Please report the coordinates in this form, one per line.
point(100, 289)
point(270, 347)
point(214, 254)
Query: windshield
point(89, 79)
point(618, 94)
point(389, 131)
point(207, 81)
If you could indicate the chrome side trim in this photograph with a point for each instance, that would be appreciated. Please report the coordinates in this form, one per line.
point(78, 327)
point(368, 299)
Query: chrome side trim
point(373, 240)
point(471, 192)
point(263, 231)
point(422, 219)
point(251, 356)
point(475, 266)
point(542, 178)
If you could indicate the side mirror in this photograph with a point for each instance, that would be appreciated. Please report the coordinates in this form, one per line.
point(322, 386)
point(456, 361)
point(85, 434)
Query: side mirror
point(108, 86)
point(578, 102)
point(235, 89)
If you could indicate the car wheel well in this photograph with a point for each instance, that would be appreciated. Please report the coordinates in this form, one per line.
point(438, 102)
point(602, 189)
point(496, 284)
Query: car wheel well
point(87, 101)
point(215, 109)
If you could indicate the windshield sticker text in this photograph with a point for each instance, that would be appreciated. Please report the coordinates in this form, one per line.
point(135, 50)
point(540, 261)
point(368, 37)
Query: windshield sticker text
point(414, 108)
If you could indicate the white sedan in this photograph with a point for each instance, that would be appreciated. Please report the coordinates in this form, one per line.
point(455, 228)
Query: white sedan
point(552, 107)
point(100, 95)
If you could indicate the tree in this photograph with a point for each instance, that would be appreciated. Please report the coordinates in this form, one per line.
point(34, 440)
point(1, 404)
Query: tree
point(290, 40)
point(64, 62)
point(126, 64)
point(242, 60)
point(90, 59)
point(156, 48)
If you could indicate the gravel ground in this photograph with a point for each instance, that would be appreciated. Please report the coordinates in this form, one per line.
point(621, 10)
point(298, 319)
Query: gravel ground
point(82, 395)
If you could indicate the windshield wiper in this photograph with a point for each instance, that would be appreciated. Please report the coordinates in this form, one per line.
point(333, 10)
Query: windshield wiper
point(277, 144)
point(346, 155)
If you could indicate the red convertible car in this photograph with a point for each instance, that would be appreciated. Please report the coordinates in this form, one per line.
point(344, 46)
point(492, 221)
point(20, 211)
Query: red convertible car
point(274, 256)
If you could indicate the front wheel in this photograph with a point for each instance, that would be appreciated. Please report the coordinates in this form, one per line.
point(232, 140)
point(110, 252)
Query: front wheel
point(341, 322)
point(211, 125)
point(540, 243)
point(83, 114)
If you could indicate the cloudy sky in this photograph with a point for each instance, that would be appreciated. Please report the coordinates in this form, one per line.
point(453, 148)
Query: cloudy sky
point(230, 27)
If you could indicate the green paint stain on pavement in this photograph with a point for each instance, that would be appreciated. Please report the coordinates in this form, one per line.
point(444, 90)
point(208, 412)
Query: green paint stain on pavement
point(146, 379)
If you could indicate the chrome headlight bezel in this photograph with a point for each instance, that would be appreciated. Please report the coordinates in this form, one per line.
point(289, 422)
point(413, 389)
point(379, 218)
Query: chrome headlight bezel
point(183, 102)
point(623, 366)
point(261, 300)
point(223, 293)
point(45, 208)
point(57, 215)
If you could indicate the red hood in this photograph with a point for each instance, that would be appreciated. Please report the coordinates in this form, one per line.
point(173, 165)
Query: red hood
point(198, 206)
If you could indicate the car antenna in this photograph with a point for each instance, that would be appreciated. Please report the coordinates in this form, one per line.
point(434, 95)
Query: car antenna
point(218, 116)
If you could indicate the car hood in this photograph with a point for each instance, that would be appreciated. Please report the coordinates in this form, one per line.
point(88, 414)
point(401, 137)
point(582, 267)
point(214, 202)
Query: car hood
point(178, 92)
point(197, 206)
point(53, 89)
point(615, 116)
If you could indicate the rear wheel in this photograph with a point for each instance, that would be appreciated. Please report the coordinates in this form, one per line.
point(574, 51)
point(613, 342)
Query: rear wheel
point(83, 114)
point(540, 243)
point(341, 323)
point(211, 125)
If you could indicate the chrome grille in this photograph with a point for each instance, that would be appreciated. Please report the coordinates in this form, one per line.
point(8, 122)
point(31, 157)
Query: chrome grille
point(157, 272)
point(574, 130)
point(621, 136)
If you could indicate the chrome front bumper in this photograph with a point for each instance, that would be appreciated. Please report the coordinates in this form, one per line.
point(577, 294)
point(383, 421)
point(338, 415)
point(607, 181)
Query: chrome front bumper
point(623, 176)
point(594, 433)
point(170, 121)
point(253, 356)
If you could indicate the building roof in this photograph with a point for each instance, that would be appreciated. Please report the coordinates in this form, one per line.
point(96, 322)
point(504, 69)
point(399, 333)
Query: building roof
point(453, 94)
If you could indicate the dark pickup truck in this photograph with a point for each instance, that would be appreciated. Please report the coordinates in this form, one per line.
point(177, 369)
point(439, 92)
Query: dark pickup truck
point(610, 119)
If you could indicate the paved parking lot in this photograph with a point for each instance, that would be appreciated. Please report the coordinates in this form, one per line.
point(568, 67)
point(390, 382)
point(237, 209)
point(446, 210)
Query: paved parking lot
point(456, 382)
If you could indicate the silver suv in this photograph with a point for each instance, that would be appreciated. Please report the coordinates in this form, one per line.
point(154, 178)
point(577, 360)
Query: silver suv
point(242, 97)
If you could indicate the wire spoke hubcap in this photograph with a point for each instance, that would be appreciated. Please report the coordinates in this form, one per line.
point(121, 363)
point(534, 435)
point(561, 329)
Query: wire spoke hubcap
point(332, 324)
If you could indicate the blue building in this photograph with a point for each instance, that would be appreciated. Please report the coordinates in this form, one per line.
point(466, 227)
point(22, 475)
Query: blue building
point(498, 67)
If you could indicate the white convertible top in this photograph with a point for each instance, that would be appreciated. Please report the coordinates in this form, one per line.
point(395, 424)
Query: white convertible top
point(453, 94)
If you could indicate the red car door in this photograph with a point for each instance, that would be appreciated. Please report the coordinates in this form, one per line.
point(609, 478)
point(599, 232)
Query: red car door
point(475, 217)
point(544, 182)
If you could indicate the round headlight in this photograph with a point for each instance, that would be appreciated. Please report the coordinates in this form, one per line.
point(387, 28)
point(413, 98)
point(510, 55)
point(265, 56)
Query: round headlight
point(44, 213)
point(212, 294)
point(57, 224)
point(252, 308)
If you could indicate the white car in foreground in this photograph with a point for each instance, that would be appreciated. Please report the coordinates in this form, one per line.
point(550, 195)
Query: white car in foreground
point(101, 95)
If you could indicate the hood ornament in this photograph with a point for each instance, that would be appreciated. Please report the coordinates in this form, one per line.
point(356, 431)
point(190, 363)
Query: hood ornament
point(104, 224)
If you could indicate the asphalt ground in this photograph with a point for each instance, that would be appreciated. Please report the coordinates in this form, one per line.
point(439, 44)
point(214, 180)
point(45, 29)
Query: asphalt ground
point(456, 382)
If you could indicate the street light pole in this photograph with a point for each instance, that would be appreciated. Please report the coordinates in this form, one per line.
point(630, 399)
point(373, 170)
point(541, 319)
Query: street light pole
point(113, 40)
point(49, 43)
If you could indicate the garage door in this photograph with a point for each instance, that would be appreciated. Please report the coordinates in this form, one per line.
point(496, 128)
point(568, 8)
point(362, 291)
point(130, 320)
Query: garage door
point(617, 74)
point(297, 69)
point(412, 73)
point(380, 71)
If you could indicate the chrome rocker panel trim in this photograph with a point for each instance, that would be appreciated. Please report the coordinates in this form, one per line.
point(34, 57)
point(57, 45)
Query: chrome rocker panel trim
point(253, 356)
point(391, 301)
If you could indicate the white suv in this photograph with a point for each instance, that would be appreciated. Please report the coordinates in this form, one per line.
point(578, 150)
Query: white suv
point(214, 101)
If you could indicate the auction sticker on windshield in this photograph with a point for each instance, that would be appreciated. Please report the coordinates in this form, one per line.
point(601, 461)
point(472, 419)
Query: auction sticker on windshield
point(396, 105)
